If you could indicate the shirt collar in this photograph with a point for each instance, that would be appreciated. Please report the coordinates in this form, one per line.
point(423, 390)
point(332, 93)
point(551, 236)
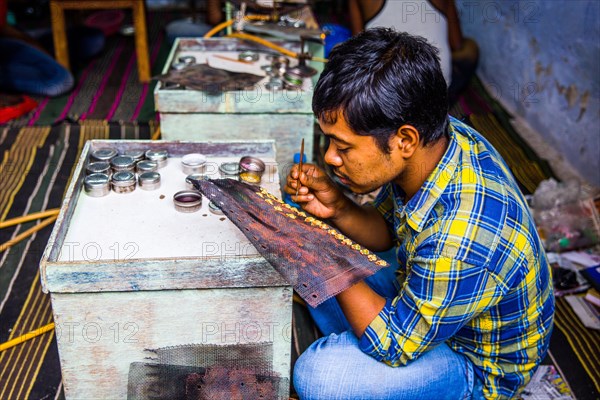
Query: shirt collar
point(420, 205)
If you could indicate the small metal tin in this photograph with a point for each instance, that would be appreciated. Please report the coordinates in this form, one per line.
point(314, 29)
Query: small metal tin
point(149, 180)
point(274, 84)
point(158, 156)
point(187, 60)
point(230, 170)
point(137, 155)
point(248, 56)
point(215, 209)
point(98, 167)
point(122, 163)
point(193, 163)
point(105, 154)
point(96, 185)
point(279, 63)
point(146, 166)
point(293, 80)
point(187, 201)
point(251, 169)
point(123, 182)
point(195, 177)
point(178, 66)
point(172, 86)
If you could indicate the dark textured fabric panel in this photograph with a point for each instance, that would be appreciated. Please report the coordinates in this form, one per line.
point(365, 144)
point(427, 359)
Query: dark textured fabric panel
point(314, 257)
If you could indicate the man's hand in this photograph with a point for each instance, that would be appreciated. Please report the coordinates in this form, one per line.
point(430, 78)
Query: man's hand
point(317, 193)
point(321, 197)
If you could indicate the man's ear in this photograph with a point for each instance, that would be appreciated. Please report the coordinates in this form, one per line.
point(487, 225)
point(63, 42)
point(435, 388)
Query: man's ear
point(407, 140)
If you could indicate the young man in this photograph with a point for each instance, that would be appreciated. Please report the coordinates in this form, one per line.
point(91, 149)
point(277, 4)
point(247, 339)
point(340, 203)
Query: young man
point(468, 312)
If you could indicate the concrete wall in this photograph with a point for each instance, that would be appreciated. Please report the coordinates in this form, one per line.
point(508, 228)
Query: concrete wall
point(542, 59)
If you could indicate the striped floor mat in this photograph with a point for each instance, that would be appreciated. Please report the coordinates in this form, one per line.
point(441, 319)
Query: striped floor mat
point(108, 87)
point(37, 163)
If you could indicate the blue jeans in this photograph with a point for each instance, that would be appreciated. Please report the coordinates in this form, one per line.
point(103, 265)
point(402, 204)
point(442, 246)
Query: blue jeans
point(25, 69)
point(334, 367)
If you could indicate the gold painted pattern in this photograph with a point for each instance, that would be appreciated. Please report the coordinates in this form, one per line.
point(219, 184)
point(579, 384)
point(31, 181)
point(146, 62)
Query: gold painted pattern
point(279, 205)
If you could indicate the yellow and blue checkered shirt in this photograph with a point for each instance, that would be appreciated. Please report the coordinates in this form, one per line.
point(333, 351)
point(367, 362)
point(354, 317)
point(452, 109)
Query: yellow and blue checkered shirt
point(473, 271)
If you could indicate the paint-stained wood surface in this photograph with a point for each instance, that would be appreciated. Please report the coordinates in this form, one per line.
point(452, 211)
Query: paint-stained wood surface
point(192, 279)
point(100, 334)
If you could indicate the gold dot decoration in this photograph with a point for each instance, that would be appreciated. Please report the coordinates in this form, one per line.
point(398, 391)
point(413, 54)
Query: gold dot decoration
point(294, 213)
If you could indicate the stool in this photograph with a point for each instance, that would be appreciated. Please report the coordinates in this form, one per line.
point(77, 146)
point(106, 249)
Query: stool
point(61, 51)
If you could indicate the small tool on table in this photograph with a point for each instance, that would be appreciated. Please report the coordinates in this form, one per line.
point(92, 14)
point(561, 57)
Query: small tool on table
point(300, 165)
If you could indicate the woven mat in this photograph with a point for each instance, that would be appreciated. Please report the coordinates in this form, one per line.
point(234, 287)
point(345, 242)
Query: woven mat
point(37, 163)
point(108, 87)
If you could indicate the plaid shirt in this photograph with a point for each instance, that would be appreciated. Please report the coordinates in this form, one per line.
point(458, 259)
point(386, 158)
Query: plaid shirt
point(473, 271)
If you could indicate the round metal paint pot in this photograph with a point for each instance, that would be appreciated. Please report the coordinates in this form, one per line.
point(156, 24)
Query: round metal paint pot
point(187, 60)
point(123, 182)
point(137, 155)
point(230, 170)
point(215, 209)
point(274, 84)
point(96, 185)
point(149, 180)
point(146, 166)
point(178, 66)
point(122, 163)
point(158, 156)
point(105, 154)
point(251, 169)
point(98, 167)
point(195, 177)
point(193, 163)
point(187, 201)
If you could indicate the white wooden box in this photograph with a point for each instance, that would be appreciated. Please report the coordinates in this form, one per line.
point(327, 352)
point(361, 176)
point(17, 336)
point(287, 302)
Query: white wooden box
point(127, 273)
point(285, 115)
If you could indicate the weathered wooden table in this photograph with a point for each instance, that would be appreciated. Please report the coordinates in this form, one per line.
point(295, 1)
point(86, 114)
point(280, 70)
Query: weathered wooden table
point(127, 273)
point(258, 113)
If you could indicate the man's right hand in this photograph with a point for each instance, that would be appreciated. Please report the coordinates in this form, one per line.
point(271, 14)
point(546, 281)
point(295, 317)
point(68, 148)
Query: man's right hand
point(317, 193)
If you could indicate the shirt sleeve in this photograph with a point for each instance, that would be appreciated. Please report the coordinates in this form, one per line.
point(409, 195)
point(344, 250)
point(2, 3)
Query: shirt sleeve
point(439, 297)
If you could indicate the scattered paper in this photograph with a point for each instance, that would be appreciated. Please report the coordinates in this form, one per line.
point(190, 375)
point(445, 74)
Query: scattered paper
point(547, 384)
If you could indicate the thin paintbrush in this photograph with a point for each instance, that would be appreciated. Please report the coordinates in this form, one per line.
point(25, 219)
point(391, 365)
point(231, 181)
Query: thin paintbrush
point(300, 166)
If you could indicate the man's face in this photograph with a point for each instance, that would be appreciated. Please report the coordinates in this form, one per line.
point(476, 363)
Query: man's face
point(357, 160)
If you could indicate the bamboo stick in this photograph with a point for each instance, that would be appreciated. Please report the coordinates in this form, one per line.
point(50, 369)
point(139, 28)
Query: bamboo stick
point(25, 337)
point(27, 233)
point(28, 217)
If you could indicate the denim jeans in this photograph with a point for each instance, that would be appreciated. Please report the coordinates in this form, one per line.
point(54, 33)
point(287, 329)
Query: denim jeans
point(25, 69)
point(334, 367)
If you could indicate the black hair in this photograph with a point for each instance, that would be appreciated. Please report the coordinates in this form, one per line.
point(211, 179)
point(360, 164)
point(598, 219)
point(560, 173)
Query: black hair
point(380, 80)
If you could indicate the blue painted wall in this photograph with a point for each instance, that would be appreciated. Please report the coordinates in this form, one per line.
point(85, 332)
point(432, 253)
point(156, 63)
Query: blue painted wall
point(542, 58)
